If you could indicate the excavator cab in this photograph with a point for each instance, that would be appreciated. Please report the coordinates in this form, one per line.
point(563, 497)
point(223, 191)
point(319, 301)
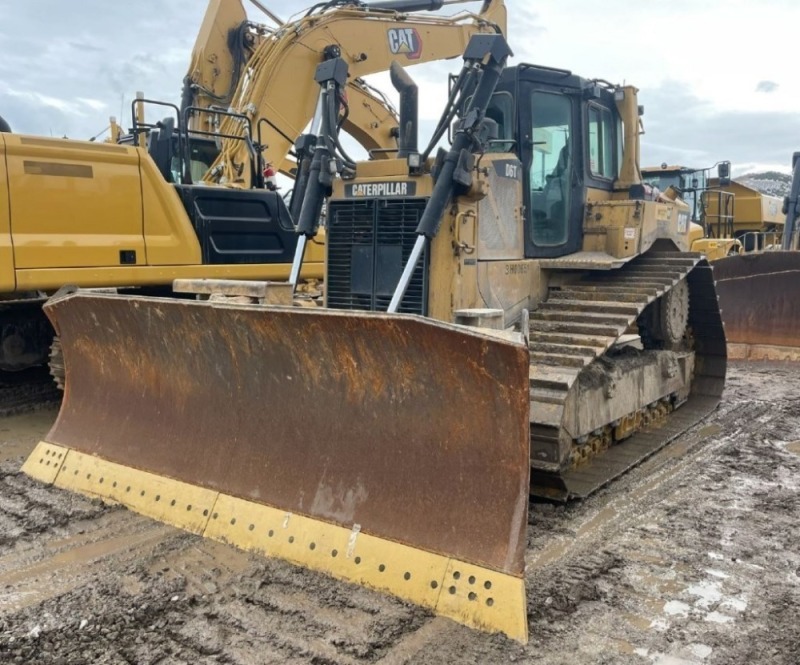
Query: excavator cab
point(234, 225)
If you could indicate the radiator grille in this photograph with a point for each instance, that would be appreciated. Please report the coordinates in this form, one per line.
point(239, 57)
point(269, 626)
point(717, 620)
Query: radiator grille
point(369, 242)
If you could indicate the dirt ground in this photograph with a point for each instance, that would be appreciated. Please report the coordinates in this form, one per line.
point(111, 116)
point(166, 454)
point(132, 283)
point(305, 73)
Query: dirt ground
point(691, 558)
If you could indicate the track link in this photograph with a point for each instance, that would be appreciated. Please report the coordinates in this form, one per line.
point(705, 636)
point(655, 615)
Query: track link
point(579, 323)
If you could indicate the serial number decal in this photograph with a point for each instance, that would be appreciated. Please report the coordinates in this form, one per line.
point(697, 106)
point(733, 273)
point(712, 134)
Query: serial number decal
point(517, 268)
point(380, 189)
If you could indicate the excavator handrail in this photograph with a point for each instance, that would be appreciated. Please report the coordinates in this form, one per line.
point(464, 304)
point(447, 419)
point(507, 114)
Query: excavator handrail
point(247, 137)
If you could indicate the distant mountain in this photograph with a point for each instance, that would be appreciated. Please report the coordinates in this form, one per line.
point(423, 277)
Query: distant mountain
point(773, 183)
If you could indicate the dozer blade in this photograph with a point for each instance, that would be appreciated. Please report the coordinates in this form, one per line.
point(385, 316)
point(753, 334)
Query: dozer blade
point(760, 299)
point(390, 451)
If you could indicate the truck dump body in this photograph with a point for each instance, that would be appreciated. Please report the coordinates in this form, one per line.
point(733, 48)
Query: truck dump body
point(758, 295)
point(418, 485)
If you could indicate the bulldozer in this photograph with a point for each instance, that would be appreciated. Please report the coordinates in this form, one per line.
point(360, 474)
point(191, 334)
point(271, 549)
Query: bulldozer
point(186, 197)
point(510, 316)
point(758, 290)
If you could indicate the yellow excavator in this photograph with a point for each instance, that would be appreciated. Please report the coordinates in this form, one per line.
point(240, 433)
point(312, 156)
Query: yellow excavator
point(186, 197)
point(512, 315)
point(248, 67)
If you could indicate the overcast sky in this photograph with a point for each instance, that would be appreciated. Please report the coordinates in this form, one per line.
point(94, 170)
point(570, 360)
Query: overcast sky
point(717, 78)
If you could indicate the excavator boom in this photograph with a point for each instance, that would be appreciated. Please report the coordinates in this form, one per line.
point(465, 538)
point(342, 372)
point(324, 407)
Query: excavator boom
point(272, 61)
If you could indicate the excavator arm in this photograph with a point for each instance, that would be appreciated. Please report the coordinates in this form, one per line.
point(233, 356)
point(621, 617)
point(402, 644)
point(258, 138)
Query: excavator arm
point(265, 65)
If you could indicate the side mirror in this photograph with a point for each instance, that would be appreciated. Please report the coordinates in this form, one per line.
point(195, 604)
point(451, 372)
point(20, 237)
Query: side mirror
point(724, 174)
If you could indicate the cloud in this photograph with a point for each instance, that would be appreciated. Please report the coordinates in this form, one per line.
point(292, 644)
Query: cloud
point(65, 75)
point(767, 86)
point(683, 128)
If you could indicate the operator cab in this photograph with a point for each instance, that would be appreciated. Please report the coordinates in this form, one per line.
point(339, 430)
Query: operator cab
point(567, 133)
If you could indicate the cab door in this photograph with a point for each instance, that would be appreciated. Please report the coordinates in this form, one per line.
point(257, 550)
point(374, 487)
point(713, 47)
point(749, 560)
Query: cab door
point(553, 163)
point(74, 204)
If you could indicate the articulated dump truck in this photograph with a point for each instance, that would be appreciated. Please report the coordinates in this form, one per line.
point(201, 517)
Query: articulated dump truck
point(760, 290)
point(513, 317)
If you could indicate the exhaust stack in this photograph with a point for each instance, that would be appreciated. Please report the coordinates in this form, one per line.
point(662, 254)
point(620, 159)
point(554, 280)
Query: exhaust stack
point(409, 109)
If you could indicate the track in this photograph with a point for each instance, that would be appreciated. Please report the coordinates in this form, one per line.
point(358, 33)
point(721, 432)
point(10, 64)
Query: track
point(572, 333)
point(26, 390)
point(689, 558)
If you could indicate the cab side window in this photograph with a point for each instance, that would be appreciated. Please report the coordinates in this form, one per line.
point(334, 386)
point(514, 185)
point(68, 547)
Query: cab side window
point(601, 143)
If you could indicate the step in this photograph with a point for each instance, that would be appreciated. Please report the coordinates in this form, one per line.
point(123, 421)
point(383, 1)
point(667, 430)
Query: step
point(594, 341)
point(623, 285)
point(602, 296)
point(566, 349)
point(550, 378)
point(577, 328)
point(560, 360)
point(578, 316)
point(671, 255)
point(670, 275)
point(548, 395)
point(671, 261)
point(655, 268)
point(607, 306)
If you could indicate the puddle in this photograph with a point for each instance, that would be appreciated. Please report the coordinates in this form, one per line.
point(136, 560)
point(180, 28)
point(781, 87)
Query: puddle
point(639, 622)
point(603, 517)
point(708, 593)
point(710, 430)
point(676, 608)
point(718, 617)
point(22, 432)
point(64, 571)
point(700, 650)
point(549, 554)
point(717, 573)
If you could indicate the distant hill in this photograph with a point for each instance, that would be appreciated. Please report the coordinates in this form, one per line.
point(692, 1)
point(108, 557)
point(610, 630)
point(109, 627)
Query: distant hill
point(773, 183)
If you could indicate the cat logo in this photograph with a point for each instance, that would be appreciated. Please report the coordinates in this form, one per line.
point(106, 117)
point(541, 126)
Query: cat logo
point(405, 41)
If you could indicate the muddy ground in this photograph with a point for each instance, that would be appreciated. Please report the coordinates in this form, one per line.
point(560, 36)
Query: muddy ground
point(694, 557)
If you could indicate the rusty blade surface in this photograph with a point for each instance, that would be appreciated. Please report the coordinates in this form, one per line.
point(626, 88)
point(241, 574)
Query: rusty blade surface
point(759, 295)
point(415, 430)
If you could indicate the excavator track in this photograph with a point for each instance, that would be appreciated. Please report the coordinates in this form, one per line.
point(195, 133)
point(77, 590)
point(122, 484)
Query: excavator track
point(578, 325)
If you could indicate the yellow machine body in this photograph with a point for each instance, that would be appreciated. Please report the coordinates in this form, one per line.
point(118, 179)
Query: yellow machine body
point(95, 214)
point(274, 59)
point(554, 321)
